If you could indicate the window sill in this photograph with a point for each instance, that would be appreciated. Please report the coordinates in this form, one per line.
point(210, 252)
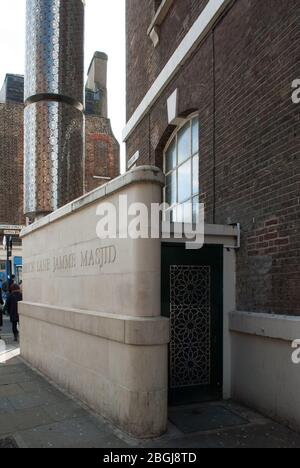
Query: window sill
point(160, 15)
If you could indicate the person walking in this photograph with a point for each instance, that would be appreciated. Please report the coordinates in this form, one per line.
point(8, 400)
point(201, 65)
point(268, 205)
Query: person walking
point(14, 297)
point(1, 312)
point(12, 283)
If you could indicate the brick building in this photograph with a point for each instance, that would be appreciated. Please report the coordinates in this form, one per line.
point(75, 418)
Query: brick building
point(11, 150)
point(11, 169)
point(209, 86)
point(238, 81)
point(12, 89)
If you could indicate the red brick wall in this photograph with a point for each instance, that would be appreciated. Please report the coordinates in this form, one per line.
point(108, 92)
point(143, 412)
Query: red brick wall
point(257, 148)
point(11, 164)
point(239, 80)
point(144, 62)
point(102, 152)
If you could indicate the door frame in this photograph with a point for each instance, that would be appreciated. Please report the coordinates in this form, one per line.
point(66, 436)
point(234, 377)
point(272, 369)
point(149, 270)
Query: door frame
point(214, 391)
point(228, 237)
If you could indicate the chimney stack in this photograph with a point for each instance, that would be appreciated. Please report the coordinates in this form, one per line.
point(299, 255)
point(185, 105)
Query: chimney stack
point(96, 86)
point(54, 165)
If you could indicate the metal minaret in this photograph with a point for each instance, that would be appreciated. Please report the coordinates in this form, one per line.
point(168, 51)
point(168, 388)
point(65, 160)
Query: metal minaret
point(53, 121)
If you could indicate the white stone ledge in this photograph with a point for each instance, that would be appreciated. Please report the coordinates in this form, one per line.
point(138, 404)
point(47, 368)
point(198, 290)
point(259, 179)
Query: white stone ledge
point(141, 174)
point(123, 329)
point(278, 327)
point(226, 235)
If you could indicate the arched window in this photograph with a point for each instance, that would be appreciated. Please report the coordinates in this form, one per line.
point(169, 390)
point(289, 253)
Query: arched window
point(157, 4)
point(181, 167)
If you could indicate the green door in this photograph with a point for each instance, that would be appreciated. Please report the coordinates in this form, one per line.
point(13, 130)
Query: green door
point(192, 287)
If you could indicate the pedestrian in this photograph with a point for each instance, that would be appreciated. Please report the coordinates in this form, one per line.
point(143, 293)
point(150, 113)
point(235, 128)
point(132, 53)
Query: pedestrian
point(1, 312)
point(14, 297)
point(12, 283)
point(5, 287)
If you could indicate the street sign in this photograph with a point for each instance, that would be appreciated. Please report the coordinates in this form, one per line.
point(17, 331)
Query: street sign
point(11, 233)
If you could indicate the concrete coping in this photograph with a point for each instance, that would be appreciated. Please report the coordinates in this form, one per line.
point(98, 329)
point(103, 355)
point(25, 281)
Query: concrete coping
point(129, 330)
point(226, 235)
point(97, 55)
point(278, 327)
point(141, 174)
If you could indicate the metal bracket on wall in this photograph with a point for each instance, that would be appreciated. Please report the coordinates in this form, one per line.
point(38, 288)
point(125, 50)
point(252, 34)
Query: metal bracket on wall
point(238, 243)
point(101, 178)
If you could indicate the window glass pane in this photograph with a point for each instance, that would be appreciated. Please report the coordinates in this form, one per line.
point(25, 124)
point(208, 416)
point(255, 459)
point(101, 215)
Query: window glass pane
point(157, 4)
point(174, 215)
point(195, 137)
point(171, 189)
point(195, 175)
point(184, 143)
point(184, 181)
point(184, 212)
point(168, 216)
point(171, 157)
point(196, 202)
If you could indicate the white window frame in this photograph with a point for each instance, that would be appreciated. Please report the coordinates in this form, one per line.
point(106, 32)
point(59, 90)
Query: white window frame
point(174, 137)
point(159, 17)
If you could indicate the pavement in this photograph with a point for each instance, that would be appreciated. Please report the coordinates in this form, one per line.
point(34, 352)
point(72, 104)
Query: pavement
point(35, 413)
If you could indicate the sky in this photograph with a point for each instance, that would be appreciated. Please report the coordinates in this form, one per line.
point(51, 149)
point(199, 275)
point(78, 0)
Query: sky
point(104, 31)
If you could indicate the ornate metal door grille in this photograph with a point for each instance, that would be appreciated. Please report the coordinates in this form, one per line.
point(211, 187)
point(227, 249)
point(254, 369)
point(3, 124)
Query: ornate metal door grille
point(190, 315)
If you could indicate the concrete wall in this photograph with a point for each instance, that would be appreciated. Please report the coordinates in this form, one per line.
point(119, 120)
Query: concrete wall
point(263, 374)
point(90, 319)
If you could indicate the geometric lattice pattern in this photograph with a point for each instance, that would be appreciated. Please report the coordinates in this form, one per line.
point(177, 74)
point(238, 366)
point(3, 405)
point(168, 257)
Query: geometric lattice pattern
point(53, 156)
point(190, 325)
point(54, 48)
point(54, 96)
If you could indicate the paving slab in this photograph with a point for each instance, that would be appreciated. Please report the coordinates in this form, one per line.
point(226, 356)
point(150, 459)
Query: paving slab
point(6, 406)
point(204, 418)
point(32, 400)
point(7, 425)
point(15, 369)
point(40, 386)
point(257, 436)
point(14, 378)
point(12, 362)
point(65, 410)
point(30, 418)
point(8, 390)
point(72, 433)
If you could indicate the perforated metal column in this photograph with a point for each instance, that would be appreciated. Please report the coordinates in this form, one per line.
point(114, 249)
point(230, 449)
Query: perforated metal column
point(53, 131)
